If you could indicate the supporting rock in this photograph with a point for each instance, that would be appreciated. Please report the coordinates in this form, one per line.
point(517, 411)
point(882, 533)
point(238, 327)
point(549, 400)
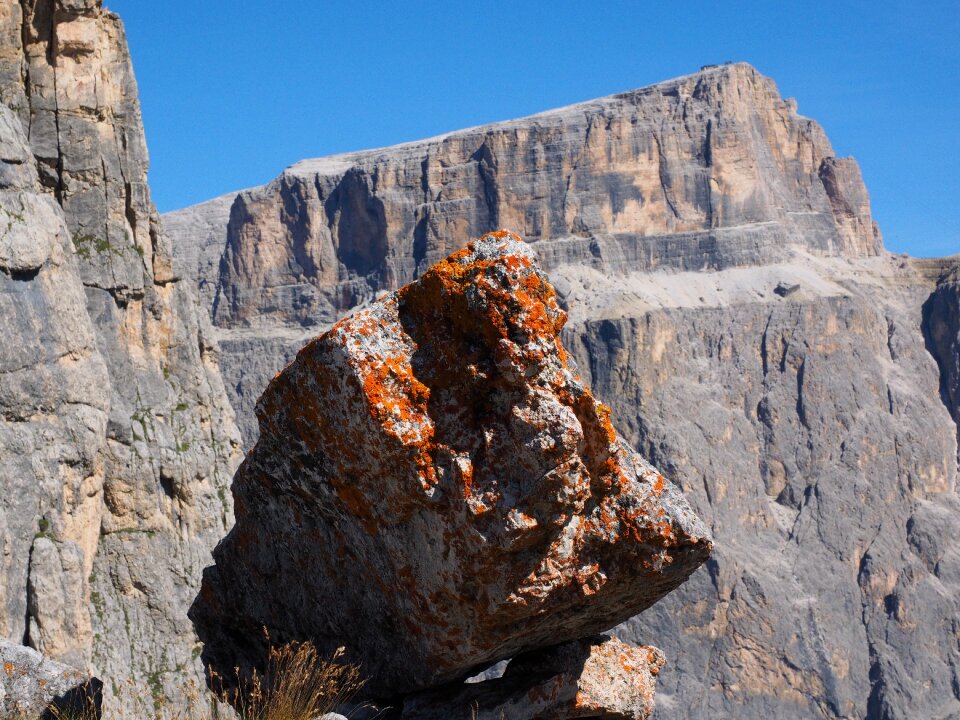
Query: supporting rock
point(600, 678)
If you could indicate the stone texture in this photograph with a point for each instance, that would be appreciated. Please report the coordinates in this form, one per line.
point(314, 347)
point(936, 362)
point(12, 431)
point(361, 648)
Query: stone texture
point(53, 418)
point(812, 427)
point(941, 327)
point(116, 439)
point(33, 687)
point(600, 678)
point(439, 445)
point(809, 434)
point(708, 171)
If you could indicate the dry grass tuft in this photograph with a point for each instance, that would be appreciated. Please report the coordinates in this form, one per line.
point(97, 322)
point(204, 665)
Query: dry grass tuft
point(298, 684)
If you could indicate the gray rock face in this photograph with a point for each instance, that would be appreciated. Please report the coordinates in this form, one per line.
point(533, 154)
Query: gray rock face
point(34, 688)
point(809, 433)
point(809, 425)
point(941, 327)
point(116, 440)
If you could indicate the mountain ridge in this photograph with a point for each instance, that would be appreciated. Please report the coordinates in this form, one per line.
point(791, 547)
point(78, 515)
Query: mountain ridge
point(730, 298)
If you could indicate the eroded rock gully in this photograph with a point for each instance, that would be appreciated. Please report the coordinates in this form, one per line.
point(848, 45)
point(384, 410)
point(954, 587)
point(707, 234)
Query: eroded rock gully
point(440, 446)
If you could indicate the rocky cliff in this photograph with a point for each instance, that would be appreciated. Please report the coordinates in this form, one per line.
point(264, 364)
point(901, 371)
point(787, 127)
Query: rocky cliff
point(116, 440)
point(706, 172)
point(729, 296)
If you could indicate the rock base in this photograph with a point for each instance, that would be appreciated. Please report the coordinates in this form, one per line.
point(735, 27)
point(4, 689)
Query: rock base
point(598, 677)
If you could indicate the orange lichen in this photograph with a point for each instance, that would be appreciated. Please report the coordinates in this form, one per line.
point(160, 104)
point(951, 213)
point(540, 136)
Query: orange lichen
point(451, 407)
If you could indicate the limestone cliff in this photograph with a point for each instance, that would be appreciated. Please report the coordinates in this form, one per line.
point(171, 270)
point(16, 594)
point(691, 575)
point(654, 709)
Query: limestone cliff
point(729, 296)
point(708, 171)
point(116, 440)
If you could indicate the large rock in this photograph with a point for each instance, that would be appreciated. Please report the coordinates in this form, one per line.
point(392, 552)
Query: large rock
point(436, 489)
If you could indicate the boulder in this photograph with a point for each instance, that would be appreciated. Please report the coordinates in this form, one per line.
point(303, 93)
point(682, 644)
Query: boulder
point(436, 489)
point(31, 686)
point(601, 678)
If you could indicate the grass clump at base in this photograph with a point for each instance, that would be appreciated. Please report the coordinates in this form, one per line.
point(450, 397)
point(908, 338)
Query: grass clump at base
point(298, 684)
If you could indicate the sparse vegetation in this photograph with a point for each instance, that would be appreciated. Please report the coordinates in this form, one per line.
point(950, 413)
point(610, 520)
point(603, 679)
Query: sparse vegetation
point(43, 526)
point(86, 245)
point(298, 684)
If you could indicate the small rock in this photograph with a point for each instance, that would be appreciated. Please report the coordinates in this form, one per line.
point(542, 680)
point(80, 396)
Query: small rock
point(30, 685)
point(600, 678)
point(785, 289)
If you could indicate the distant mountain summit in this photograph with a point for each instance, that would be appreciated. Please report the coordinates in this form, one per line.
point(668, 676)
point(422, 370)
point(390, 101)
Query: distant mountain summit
point(730, 297)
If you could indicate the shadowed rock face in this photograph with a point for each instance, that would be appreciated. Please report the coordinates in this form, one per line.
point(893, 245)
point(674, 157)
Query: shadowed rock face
point(438, 445)
point(600, 678)
point(941, 326)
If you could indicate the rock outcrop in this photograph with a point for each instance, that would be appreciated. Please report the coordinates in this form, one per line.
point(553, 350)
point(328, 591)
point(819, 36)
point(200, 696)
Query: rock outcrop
point(116, 439)
point(438, 444)
point(35, 688)
point(729, 297)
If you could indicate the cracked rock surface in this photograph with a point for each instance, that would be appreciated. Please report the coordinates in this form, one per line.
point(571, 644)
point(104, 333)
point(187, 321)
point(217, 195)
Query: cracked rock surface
point(116, 439)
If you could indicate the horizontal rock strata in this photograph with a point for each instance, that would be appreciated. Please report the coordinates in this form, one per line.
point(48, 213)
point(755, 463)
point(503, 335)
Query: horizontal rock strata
point(708, 171)
point(600, 678)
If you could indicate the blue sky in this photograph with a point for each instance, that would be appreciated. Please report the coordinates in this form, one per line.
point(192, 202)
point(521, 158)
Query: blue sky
point(233, 91)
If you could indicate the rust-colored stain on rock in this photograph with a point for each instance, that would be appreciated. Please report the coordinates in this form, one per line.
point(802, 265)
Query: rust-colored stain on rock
point(440, 446)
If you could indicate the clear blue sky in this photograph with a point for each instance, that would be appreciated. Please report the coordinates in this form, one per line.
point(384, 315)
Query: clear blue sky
point(233, 91)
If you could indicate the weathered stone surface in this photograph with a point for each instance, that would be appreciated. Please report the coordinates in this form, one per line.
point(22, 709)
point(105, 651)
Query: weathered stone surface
point(439, 445)
point(116, 440)
point(808, 433)
point(601, 678)
point(941, 327)
point(32, 687)
point(707, 171)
